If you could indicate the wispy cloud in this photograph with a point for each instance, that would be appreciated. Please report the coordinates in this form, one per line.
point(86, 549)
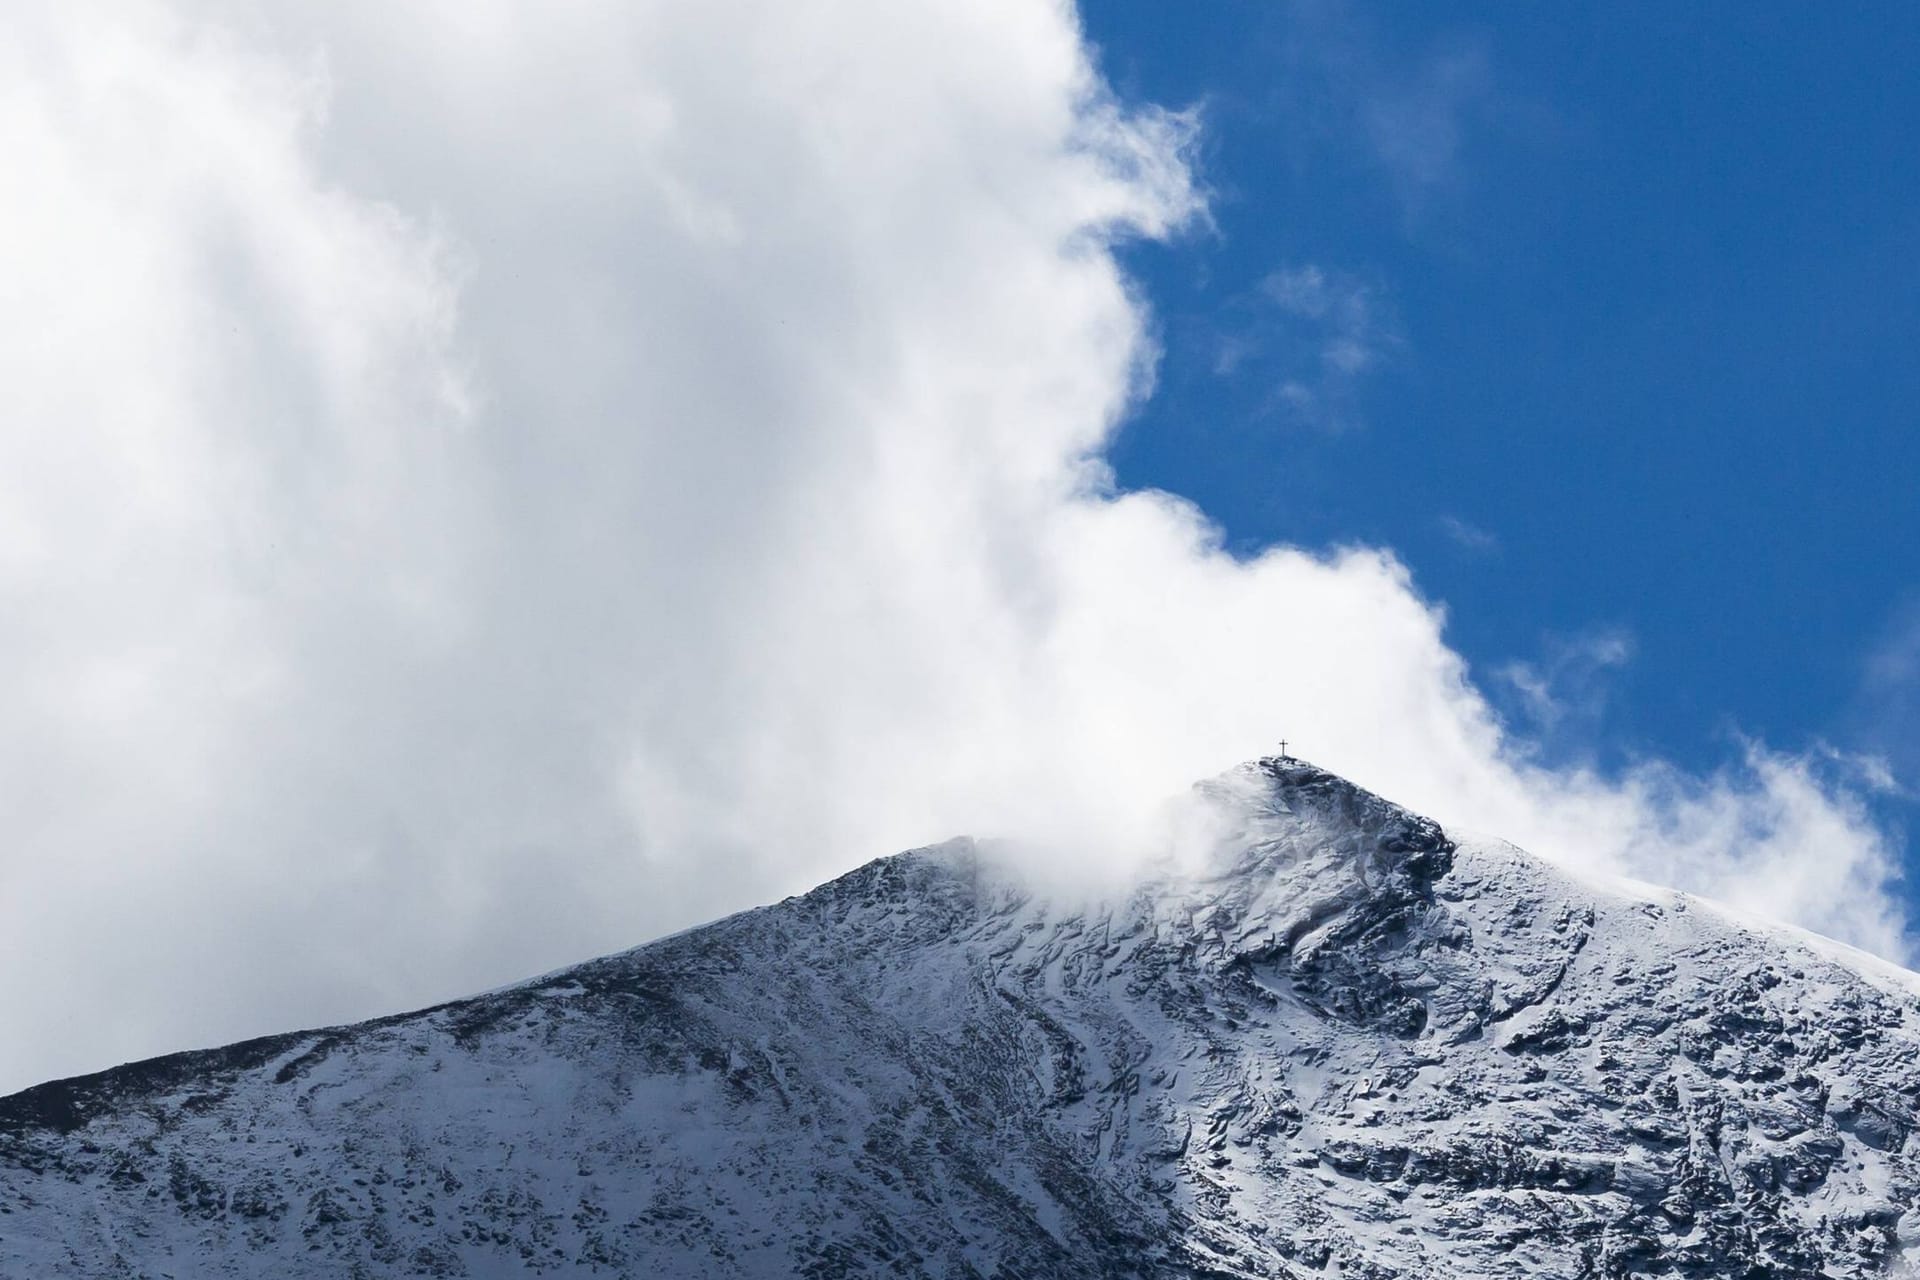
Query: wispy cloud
point(1885, 716)
point(1410, 115)
point(1313, 334)
point(1417, 124)
point(1567, 686)
point(1347, 309)
point(1468, 536)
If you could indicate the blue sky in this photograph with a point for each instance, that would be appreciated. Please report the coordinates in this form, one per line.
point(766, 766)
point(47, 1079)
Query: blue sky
point(1604, 317)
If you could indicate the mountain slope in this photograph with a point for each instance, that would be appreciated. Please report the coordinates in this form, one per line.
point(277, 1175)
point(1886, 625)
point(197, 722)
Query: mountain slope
point(1343, 1046)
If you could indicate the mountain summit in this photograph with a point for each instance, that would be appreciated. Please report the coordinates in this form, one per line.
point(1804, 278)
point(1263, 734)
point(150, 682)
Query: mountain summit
point(1337, 1044)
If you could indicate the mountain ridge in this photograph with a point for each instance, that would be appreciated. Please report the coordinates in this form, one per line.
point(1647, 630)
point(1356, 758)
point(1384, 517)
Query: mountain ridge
point(1339, 1043)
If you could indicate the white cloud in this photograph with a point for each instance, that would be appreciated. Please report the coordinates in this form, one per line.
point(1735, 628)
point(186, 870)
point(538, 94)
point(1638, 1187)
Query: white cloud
point(486, 484)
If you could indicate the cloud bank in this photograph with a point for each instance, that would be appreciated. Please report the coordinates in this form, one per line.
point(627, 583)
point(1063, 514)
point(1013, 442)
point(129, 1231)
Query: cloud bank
point(485, 484)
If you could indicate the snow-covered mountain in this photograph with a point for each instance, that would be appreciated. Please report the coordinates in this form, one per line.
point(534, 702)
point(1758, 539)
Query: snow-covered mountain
point(1340, 1045)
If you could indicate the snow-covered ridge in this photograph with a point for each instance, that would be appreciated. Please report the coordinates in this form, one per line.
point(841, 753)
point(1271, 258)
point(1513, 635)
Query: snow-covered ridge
point(1342, 1044)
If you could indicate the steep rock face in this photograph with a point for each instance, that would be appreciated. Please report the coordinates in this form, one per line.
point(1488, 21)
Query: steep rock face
point(1337, 1045)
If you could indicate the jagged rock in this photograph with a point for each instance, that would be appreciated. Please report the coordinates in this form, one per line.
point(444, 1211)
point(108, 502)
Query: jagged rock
point(1342, 1045)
